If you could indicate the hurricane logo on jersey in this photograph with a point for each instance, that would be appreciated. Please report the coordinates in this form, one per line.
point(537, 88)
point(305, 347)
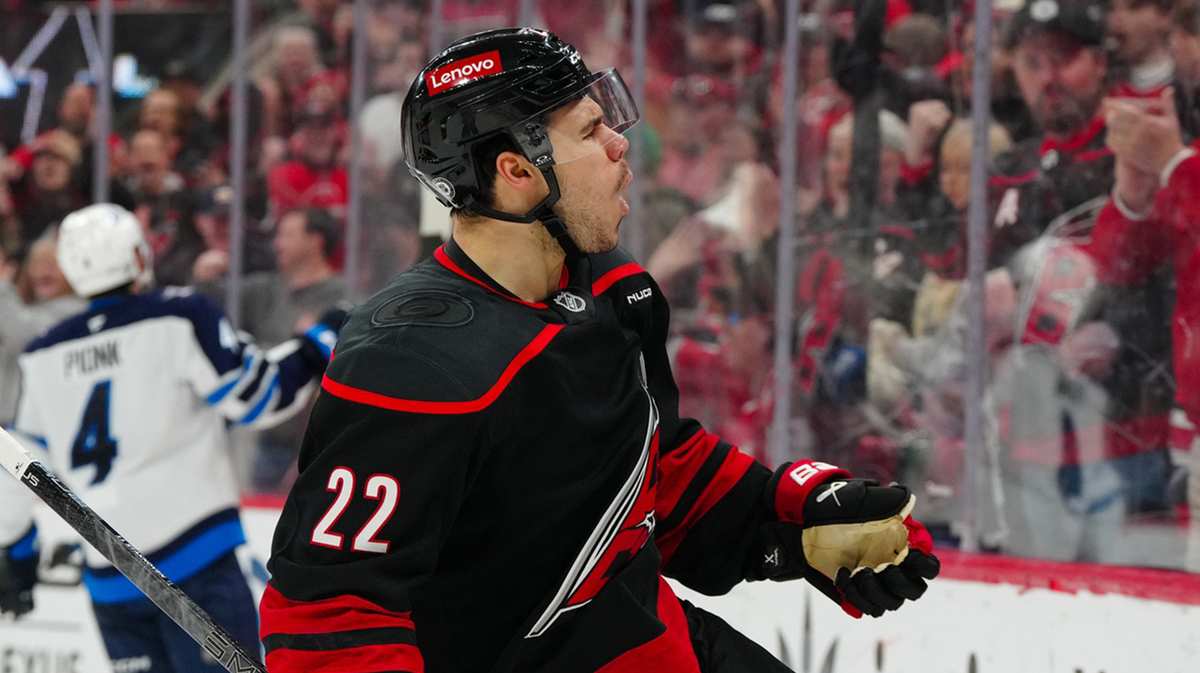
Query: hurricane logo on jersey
point(617, 538)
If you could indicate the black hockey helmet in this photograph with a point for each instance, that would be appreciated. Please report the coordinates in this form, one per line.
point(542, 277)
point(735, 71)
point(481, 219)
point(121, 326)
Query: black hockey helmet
point(500, 82)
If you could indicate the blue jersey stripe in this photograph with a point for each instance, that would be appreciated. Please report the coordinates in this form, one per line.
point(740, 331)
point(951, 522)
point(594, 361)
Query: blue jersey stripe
point(199, 553)
point(262, 403)
point(221, 393)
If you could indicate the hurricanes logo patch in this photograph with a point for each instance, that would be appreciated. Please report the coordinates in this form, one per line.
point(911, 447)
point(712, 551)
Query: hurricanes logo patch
point(429, 308)
point(461, 72)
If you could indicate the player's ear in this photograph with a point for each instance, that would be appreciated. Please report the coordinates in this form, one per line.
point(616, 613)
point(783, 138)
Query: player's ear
point(516, 171)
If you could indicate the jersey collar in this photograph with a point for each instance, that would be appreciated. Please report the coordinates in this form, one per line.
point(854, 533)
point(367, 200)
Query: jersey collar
point(454, 258)
point(1076, 142)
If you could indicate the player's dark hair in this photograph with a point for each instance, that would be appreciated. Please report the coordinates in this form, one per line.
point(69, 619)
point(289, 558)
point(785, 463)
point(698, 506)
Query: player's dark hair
point(485, 154)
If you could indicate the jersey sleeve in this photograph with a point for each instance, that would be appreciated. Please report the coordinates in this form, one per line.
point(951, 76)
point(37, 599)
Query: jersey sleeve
point(709, 495)
point(244, 383)
point(378, 491)
point(1126, 251)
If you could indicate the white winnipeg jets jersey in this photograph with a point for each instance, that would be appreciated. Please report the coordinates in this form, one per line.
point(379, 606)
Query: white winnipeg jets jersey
point(130, 401)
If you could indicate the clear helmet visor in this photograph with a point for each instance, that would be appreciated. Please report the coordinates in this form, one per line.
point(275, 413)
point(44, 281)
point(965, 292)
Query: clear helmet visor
point(595, 119)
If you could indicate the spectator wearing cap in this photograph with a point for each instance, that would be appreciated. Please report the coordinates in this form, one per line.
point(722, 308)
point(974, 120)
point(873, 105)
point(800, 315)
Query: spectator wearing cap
point(724, 40)
point(211, 215)
point(76, 111)
point(913, 49)
point(1061, 71)
point(1140, 31)
point(49, 191)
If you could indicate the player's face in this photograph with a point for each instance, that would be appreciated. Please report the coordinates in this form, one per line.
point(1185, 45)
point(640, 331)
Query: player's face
point(593, 185)
point(1061, 81)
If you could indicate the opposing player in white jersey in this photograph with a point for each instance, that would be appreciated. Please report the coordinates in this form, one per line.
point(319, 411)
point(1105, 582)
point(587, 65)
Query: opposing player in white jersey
point(130, 400)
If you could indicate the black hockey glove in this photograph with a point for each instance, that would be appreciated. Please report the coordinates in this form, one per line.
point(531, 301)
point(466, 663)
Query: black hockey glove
point(317, 343)
point(18, 574)
point(850, 538)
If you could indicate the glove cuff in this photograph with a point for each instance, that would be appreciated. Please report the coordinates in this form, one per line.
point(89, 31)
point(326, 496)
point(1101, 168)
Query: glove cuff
point(792, 483)
point(317, 346)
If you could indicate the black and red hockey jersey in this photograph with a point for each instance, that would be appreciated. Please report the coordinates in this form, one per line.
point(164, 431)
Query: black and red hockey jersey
point(489, 484)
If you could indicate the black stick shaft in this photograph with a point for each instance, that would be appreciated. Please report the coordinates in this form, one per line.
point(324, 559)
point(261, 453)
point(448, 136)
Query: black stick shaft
point(127, 559)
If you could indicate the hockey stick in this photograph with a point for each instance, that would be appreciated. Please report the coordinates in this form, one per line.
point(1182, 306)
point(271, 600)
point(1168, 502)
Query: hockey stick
point(125, 557)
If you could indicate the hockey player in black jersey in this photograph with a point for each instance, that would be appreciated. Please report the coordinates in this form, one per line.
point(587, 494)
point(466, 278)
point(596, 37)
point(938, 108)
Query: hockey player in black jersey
point(495, 476)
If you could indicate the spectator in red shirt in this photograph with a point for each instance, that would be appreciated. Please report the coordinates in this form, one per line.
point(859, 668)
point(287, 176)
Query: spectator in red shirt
point(314, 177)
point(1151, 222)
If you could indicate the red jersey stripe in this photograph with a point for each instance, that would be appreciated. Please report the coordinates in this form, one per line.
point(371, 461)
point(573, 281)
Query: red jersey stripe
point(672, 651)
point(368, 659)
point(736, 464)
point(679, 467)
point(607, 280)
point(465, 407)
point(280, 614)
point(1093, 155)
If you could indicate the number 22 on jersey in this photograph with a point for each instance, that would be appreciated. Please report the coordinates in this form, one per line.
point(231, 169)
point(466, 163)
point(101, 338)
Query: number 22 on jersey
point(379, 487)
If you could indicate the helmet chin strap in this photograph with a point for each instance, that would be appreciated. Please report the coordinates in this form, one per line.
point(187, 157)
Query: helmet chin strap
point(543, 212)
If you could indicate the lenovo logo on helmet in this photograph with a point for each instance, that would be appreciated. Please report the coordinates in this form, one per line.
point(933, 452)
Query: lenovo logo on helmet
point(460, 72)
